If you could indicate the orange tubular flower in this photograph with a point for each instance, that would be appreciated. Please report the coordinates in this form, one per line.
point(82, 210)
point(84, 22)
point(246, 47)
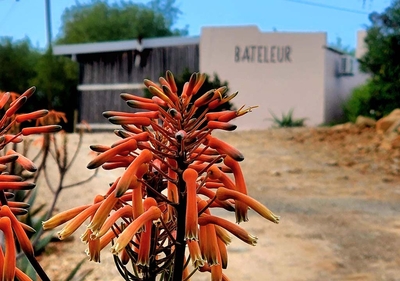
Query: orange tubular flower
point(228, 115)
point(203, 158)
point(123, 212)
point(206, 151)
point(224, 148)
point(205, 98)
point(149, 83)
point(137, 192)
point(63, 217)
point(102, 212)
point(145, 244)
point(157, 92)
point(4, 98)
point(1, 261)
point(10, 251)
point(25, 162)
point(8, 158)
point(31, 116)
point(159, 101)
point(223, 235)
point(190, 177)
point(211, 194)
point(223, 99)
point(195, 253)
point(137, 203)
point(149, 114)
point(143, 105)
point(203, 240)
point(231, 227)
point(172, 191)
point(185, 273)
point(211, 250)
point(216, 269)
point(17, 204)
point(171, 82)
point(16, 185)
point(28, 93)
point(172, 96)
point(108, 237)
point(208, 268)
point(240, 207)
point(41, 130)
point(19, 231)
point(115, 165)
point(215, 173)
point(145, 236)
point(213, 125)
point(223, 253)
point(213, 116)
point(200, 79)
point(4, 139)
point(21, 276)
point(224, 193)
point(137, 121)
point(129, 175)
point(15, 106)
point(102, 158)
point(128, 97)
point(93, 250)
point(122, 241)
point(139, 136)
point(77, 221)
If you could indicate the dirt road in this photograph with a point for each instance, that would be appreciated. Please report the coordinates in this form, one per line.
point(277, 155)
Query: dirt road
point(337, 193)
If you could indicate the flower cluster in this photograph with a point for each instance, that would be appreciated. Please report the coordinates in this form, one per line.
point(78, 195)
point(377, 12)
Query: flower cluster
point(13, 229)
point(158, 213)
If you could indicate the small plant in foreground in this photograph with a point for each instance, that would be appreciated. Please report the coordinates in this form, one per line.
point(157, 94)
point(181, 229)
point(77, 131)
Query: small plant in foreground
point(14, 231)
point(158, 214)
point(54, 151)
point(287, 120)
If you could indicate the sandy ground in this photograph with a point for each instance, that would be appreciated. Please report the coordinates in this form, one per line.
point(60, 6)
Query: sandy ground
point(337, 193)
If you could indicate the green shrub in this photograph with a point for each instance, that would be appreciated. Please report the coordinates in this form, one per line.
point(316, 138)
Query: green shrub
point(287, 120)
point(361, 102)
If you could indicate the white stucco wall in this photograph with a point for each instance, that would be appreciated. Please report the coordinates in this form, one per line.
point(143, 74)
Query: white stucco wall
point(361, 48)
point(333, 96)
point(276, 71)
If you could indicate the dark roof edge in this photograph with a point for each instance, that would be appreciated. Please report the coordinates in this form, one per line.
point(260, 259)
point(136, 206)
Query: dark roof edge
point(115, 46)
point(335, 50)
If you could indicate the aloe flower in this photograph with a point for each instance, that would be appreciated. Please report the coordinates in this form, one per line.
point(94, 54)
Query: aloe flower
point(13, 230)
point(159, 213)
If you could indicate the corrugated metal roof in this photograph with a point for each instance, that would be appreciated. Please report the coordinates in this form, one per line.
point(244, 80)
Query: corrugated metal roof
point(115, 46)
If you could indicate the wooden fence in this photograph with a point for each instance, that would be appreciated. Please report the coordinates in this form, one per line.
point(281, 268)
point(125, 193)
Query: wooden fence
point(103, 76)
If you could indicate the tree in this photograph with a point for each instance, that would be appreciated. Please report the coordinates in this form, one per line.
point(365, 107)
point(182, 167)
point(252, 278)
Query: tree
point(99, 21)
point(17, 62)
point(55, 78)
point(382, 59)
point(56, 82)
point(338, 45)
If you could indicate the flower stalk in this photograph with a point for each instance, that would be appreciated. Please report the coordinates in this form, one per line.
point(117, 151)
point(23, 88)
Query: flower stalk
point(156, 209)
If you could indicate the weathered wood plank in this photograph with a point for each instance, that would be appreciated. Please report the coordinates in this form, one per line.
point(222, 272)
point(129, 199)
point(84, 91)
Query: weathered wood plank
point(119, 67)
